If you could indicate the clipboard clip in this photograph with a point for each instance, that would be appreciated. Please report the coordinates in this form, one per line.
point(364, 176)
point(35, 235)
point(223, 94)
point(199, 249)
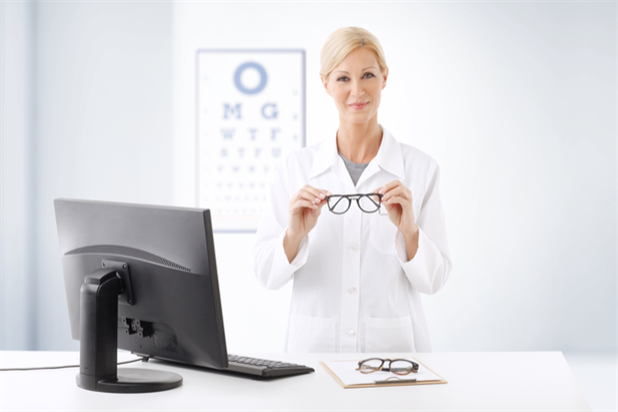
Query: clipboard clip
point(394, 379)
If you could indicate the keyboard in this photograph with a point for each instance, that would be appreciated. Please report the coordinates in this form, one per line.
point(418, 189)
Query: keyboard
point(265, 368)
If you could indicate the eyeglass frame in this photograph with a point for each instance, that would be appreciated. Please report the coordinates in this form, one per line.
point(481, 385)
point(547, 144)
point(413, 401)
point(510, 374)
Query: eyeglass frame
point(357, 197)
point(415, 366)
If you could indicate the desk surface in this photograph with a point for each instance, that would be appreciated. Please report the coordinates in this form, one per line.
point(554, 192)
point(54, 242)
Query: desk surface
point(477, 381)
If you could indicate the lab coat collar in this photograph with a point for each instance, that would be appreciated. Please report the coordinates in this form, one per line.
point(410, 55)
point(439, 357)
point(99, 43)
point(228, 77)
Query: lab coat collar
point(326, 157)
point(389, 158)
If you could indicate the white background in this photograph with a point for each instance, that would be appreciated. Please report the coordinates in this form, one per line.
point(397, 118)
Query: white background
point(516, 101)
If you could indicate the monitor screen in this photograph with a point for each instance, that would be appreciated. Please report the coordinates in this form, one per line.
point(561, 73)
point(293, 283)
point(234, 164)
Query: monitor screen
point(162, 268)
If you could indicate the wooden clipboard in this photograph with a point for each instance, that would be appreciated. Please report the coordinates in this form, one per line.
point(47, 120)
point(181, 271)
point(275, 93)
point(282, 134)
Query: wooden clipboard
point(405, 382)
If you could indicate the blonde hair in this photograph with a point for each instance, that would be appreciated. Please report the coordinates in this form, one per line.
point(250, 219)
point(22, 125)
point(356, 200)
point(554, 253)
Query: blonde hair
point(341, 42)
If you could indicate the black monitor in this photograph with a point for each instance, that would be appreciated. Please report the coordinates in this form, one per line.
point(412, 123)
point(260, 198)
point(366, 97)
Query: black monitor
point(143, 279)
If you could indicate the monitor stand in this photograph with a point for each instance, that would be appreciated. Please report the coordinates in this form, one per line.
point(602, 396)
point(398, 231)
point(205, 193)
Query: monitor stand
point(98, 369)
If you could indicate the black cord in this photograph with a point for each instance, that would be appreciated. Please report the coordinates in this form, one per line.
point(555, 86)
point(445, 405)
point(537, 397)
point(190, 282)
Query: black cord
point(143, 359)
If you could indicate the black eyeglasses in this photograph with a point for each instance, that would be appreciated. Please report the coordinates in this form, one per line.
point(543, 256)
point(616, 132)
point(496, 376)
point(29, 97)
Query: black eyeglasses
point(367, 202)
point(397, 366)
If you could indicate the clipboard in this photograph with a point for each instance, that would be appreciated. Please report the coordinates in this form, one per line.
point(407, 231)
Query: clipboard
point(406, 380)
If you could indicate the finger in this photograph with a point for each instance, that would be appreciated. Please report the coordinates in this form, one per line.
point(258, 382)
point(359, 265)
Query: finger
point(397, 191)
point(389, 186)
point(399, 200)
point(308, 195)
point(316, 192)
point(396, 194)
point(321, 204)
point(309, 192)
point(300, 204)
point(303, 195)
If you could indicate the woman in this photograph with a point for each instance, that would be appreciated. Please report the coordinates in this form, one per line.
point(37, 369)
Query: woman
point(358, 274)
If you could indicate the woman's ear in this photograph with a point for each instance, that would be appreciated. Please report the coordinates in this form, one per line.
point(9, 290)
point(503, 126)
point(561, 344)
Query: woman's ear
point(384, 78)
point(325, 84)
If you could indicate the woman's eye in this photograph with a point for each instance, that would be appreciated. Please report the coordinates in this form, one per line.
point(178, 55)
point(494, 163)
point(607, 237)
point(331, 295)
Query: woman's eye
point(368, 75)
point(342, 79)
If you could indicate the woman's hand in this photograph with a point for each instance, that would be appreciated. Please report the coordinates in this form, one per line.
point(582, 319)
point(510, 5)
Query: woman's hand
point(397, 199)
point(305, 208)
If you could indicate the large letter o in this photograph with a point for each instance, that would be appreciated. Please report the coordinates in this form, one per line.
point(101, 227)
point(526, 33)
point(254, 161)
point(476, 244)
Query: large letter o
point(241, 69)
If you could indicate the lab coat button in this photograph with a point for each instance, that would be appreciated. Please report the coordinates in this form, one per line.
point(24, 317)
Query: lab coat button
point(351, 333)
point(352, 291)
point(355, 246)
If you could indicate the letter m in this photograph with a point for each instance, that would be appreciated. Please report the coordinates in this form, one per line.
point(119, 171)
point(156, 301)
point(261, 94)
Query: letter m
point(229, 111)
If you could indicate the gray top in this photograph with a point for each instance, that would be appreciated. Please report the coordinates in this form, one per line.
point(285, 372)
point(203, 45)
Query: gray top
point(355, 169)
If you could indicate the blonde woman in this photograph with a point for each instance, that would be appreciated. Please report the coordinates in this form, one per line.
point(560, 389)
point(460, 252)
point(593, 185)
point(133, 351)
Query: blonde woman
point(355, 221)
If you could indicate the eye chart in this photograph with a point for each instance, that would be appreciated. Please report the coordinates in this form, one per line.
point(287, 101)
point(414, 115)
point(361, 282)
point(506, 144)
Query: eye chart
point(250, 116)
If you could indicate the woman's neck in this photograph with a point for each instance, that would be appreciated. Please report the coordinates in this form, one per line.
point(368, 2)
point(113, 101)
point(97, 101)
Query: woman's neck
point(359, 143)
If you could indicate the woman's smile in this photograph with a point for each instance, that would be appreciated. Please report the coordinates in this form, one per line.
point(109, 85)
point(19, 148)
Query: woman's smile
point(359, 106)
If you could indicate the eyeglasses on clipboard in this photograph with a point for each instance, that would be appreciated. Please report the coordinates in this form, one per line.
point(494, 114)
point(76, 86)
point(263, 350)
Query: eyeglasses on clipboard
point(396, 366)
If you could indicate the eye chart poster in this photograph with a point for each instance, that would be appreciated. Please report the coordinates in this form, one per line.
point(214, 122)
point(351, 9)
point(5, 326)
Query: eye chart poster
point(250, 115)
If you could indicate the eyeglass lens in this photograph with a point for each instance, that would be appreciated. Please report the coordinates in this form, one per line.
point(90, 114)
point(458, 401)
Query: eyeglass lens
point(368, 204)
point(338, 204)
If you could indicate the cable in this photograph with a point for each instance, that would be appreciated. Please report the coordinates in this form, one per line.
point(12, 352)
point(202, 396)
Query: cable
point(143, 359)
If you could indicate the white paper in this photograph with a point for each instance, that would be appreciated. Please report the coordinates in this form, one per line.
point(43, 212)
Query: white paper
point(346, 371)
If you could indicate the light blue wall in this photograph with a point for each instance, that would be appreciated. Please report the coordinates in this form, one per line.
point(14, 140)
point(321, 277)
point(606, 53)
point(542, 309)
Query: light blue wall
point(98, 126)
point(17, 60)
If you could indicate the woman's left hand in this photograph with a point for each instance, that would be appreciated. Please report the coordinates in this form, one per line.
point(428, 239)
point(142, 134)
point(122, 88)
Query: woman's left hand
point(397, 199)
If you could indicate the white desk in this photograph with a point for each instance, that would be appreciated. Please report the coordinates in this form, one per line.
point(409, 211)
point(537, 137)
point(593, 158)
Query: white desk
point(477, 381)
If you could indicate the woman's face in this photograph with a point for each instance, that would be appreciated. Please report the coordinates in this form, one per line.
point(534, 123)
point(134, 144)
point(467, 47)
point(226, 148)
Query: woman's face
point(356, 86)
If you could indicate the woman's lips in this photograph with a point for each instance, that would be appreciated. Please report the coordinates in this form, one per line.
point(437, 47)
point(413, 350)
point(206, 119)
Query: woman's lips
point(358, 106)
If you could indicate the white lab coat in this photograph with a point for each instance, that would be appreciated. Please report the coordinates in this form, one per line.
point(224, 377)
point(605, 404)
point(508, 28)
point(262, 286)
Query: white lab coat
point(354, 289)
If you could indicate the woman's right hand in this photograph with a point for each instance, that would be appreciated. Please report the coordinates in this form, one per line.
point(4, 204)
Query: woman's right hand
point(305, 208)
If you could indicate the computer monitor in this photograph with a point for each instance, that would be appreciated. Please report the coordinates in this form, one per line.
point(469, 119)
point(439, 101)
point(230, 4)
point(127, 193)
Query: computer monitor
point(144, 279)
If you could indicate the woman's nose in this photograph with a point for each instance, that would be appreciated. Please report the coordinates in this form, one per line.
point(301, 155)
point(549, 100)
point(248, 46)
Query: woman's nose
point(357, 89)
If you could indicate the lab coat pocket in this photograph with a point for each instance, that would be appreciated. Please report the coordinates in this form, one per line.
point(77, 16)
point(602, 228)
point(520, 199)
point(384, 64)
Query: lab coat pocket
point(382, 233)
point(389, 335)
point(312, 334)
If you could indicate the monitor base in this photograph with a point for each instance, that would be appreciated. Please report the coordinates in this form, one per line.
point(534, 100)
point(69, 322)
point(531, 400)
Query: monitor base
point(131, 380)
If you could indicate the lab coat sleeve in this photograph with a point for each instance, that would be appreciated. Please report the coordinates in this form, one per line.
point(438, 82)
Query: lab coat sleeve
point(270, 263)
point(428, 271)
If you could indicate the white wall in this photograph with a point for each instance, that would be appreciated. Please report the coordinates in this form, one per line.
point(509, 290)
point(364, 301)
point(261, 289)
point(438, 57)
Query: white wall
point(103, 121)
point(16, 175)
point(516, 101)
